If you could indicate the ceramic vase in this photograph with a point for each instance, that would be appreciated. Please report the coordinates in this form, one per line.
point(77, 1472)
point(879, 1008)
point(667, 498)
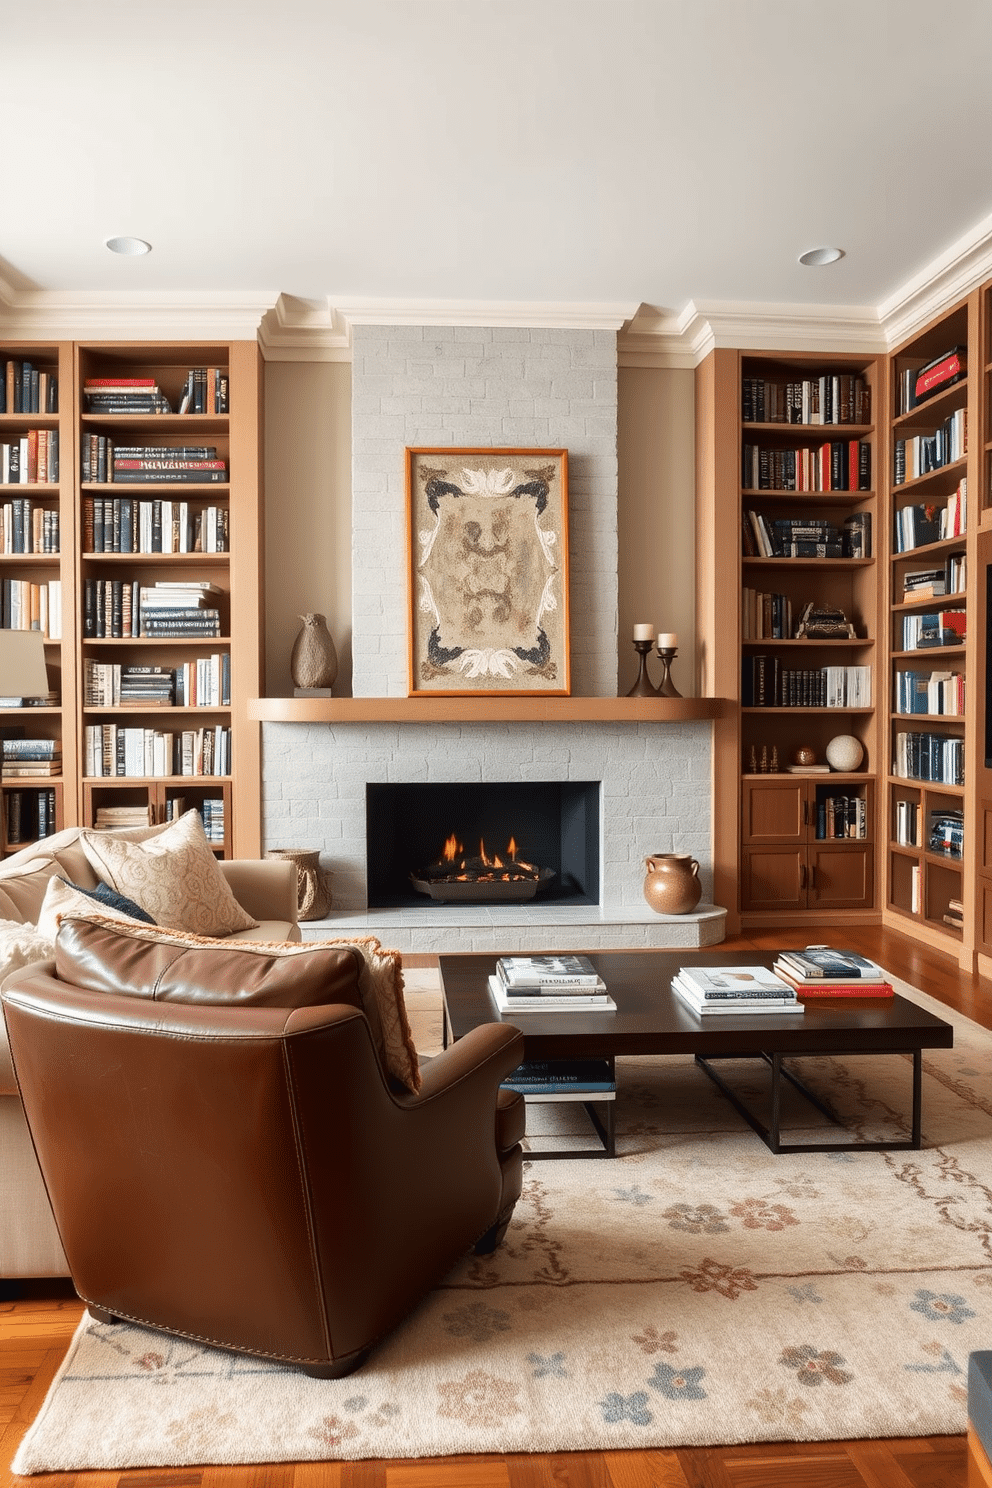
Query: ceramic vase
point(671, 885)
point(314, 662)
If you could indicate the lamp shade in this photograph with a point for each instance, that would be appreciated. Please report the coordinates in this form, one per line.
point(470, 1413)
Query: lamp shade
point(23, 672)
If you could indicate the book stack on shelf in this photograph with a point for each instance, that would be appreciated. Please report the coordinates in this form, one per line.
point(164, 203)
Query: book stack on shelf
point(178, 607)
point(946, 833)
point(564, 1079)
point(545, 984)
point(940, 694)
point(916, 384)
point(26, 758)
point(153, 464)
point(939, 628)
point(923, 453)
point(926, 756)
point(113, 818)
point(954, 914)
point(122, 524)
point(123, 395)
point(920, 524)
point(833, 398)
point(25, 605)
point(734, 990)
point(821, 971)
point(115, 749)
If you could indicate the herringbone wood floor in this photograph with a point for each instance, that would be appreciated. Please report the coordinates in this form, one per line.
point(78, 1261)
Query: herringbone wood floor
point(36, 1328)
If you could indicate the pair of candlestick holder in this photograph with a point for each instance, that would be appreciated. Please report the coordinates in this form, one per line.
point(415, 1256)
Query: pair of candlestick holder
point(644, 687)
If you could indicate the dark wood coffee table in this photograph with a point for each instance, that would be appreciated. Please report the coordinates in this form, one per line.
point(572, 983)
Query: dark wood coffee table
point(651, 1019)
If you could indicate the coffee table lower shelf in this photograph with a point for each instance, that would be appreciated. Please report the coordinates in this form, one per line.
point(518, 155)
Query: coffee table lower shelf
point(604, 1126)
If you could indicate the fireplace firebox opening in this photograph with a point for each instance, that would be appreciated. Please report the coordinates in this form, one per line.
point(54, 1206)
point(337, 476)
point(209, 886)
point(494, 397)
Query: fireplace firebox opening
point(482, 843)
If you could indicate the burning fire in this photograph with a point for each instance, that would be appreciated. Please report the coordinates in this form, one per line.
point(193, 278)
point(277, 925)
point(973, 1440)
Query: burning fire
point(481, 868)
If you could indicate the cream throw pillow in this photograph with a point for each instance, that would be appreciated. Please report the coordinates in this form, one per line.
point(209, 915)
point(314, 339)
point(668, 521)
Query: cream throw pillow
point(174, 877)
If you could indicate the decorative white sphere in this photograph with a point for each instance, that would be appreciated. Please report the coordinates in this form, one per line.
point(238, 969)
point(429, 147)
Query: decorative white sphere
point(844, 752)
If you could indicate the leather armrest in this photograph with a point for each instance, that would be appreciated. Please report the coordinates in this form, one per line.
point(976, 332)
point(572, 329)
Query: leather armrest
point(497, 1045)
point(264, 887)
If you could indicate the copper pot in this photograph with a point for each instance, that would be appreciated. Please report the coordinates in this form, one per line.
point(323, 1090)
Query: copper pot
point(672, 885)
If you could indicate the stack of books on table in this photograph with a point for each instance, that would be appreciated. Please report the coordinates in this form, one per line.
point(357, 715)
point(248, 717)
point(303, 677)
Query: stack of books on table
point(563, 1079)
point(723, 990)
point(821, 971)
point(544, 984)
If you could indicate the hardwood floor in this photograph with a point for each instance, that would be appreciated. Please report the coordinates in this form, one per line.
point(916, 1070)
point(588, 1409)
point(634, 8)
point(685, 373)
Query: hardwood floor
point(36, 1327)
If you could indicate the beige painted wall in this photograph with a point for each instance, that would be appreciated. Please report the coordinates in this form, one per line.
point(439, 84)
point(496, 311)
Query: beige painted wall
point(308, 511)
point(656, 448)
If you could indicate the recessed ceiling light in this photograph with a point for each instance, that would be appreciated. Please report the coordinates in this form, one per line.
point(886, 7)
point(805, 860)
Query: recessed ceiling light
point(813, 257)
point(129, 246)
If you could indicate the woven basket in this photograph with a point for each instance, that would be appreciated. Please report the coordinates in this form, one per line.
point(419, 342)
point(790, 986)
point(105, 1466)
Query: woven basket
point(313, 884)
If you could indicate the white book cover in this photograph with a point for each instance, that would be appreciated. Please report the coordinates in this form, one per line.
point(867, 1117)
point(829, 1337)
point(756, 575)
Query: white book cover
point(734, 981)
point(589, 1002)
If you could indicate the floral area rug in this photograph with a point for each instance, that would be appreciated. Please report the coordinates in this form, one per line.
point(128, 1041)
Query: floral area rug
point(695, 1290)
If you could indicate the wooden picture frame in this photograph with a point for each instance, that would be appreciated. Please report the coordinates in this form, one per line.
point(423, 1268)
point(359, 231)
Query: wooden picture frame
point(488, 571)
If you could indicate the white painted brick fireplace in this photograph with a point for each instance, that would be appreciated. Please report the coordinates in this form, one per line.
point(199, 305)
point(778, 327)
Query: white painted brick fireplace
point(489, 387)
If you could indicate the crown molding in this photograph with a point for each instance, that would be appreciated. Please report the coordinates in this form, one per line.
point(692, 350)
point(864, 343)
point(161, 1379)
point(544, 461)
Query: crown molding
point(164, 315)
point(512, 314)
point(658, 339)
point(948, 278)
point(296, 330)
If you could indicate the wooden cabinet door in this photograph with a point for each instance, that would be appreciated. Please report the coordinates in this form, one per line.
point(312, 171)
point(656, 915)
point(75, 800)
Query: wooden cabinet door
point(775, 810)
point(773, 877)
point(840, 875)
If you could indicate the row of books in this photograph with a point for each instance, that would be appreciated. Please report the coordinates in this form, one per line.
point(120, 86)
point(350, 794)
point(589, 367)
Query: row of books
point(920, 523)
point(211, 810)
point(28, 815)
point(908, 830)
point(934, 693)
point(123, 524)
point(914, 385)
point(33, 459)
point(125, 609)
point(26, 527)
point(923, 453)
point(841, 817)
point(102, 460)
point(933, 583)
point(935, 628)
point(936, 758)
point(26, 605)
point(837, 465)
point(764, 616)
point(824, 971)
point(204, 682)
point(838, 398)
point(206, 390)
point(25, 388)
point(806, 537)
point(116, 749)
point(766, 683)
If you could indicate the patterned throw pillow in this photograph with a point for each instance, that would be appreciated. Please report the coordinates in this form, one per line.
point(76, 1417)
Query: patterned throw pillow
point(121, 957)
point(63, 898)
point(174, 877)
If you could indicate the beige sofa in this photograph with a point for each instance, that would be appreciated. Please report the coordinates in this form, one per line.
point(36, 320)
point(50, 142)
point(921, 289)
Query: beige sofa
point(266, 889)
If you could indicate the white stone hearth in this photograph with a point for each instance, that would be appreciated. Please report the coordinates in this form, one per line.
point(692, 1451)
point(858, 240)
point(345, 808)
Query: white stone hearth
point(655, 797)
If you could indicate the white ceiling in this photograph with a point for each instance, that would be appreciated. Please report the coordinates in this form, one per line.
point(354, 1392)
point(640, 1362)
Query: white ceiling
point(643, 152)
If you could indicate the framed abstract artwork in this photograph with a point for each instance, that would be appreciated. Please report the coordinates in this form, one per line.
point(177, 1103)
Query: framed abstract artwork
point(488, 553)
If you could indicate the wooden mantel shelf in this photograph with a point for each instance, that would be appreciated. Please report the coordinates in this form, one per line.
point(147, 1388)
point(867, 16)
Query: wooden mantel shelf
point(483, 710)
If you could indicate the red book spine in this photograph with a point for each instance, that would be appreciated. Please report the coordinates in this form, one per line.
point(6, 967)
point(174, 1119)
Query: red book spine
point(112, 382)
point(850, 989)
point(949, 367)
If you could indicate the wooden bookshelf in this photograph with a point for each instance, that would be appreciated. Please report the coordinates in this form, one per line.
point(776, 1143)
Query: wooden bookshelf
point(933, 777)
point(236, 570)
point(56, 497)
point(776, 860)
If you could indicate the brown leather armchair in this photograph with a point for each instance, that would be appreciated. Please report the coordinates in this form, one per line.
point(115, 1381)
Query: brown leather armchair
point(246, 1177)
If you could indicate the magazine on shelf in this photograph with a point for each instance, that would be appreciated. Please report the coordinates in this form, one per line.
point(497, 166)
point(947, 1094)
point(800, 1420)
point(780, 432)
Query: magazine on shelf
point(569, 1079)
point(735, 1006)
point(575, 1001)
point(536, 972)
point(734, 983)
point(816, 963)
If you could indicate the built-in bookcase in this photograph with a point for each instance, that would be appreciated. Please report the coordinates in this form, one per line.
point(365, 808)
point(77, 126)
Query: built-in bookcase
point(179, 506)
point(37, 557)
point(788, 528)
point(934, 464)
